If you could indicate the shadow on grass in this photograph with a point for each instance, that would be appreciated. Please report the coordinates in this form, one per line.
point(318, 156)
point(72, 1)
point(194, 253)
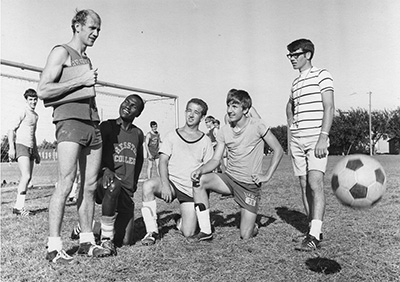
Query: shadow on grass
point(295, 218)
point(39, 210)
point(164, 218)
point(232, 220)
point(323, 265)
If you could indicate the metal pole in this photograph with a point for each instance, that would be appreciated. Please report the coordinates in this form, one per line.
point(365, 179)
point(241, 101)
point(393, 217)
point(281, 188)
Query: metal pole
point(370, 125)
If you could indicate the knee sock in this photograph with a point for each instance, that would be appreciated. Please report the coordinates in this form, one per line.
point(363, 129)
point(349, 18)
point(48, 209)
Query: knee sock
point(315, 229)
point(107, 226)
point(86, 237)
point(20, 203)
point(149, 214)
point(54, 244)
point(203, 217)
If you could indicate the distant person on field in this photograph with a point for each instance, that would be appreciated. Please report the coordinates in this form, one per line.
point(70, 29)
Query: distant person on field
point(78, 136)
point(152, 145)
point(122, 162)
point(24, 150)
point(310, 112)
point(243, 138)
point(182, 151)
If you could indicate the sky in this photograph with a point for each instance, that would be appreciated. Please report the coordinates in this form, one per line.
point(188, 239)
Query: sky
point(204, 48)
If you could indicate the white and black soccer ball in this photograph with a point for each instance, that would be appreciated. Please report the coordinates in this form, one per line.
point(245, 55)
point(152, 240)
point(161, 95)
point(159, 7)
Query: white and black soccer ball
point(358, 181)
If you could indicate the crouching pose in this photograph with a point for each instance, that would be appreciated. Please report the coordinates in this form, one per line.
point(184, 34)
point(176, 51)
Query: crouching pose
point(122, 161)
point(243, 138)
point(182, 151)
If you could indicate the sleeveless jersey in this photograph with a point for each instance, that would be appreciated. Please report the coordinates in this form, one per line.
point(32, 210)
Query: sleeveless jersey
point(84, 109)
point(154, 143)
point(25, 127)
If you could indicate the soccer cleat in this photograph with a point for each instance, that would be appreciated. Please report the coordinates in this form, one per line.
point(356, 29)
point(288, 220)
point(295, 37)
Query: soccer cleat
point(150, 239)
point(201, 236)
point(300, 238)
point(75, 232)
point(59, 257)
point(255, 230)
point(92, 250)
point(22, 212)
point(310, 243)
point(108, 244)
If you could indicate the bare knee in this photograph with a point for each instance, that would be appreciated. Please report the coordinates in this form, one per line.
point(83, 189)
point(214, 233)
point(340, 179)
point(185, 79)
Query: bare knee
point(148, 191)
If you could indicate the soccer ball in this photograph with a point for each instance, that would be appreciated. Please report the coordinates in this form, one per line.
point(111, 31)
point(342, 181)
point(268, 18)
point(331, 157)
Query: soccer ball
point(358, 181)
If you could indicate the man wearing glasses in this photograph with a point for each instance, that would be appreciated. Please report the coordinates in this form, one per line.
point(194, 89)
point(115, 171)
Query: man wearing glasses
point(310, 111)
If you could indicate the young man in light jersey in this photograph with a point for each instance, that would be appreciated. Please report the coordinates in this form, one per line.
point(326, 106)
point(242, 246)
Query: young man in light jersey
point(310, 112)
point(182, 151)
point(243, 138)
point(23, 148)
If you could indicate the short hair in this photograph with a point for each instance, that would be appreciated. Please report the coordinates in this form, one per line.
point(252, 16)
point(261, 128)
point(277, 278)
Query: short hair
point(153, 123)
point(199, 102)
point(210, 118)
point(217, 122)
point(239, 97)
point(30, 93)
point(305, 44)
point(81, 17)
point(141, 106)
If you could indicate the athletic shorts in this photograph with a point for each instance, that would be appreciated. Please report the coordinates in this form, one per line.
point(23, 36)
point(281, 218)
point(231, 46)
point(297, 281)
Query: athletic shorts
point(23, 151)
point(182, 197)
point(303, 155)
point(246, 195)
point(85, 133)
point(155, 155)
point(125, 203)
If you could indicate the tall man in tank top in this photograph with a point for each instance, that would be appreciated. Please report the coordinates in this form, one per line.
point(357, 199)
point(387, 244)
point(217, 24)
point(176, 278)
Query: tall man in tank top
point(310, 111)
point(78, 136)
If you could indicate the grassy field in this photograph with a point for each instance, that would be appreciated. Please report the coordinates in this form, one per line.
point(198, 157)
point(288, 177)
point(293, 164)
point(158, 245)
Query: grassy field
point(364, 245)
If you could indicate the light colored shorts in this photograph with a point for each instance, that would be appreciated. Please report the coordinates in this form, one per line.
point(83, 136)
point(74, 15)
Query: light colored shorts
point(303, 156)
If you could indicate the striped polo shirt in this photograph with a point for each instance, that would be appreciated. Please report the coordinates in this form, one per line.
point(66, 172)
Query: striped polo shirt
point(306, 96)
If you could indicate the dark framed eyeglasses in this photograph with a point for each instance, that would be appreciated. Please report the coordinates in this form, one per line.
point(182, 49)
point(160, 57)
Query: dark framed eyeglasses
point(295, 55)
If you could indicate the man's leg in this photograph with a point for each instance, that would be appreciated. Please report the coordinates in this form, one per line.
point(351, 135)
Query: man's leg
point(189, 219)
point(248, 228)
point(89, 164)
point(315, 179)
point(67, 161)
point(317, 211)
point(149, 167)
point(151, 188)
point(108, 217)
point(214, 183)
point(25, 166)
point(306, 195)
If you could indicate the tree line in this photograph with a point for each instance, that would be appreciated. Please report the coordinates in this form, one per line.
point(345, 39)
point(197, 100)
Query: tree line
point(349, 133)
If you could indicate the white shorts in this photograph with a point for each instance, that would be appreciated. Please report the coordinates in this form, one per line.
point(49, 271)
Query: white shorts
point(303, 155)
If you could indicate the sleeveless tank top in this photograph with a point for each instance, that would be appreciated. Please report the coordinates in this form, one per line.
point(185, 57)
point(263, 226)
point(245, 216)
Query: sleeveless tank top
point(84, 109)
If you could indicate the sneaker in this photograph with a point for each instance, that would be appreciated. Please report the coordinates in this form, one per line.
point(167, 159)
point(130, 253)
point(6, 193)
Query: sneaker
point(255, 230)
point(310, 243)
point(92, 250)
point(75, 232)
point(59, 257)
point(108, 244)
point(22, 212)
point(150, 239)
point(179, 224)
point(300, 238)
point(201, 236)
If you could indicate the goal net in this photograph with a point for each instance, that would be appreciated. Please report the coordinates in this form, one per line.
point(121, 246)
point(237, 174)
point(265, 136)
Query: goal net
point(16, 78)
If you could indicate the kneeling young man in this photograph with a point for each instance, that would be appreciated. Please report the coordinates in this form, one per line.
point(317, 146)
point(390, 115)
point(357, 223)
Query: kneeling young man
point(122, 161)
point(243, 138)
point(182, 151)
